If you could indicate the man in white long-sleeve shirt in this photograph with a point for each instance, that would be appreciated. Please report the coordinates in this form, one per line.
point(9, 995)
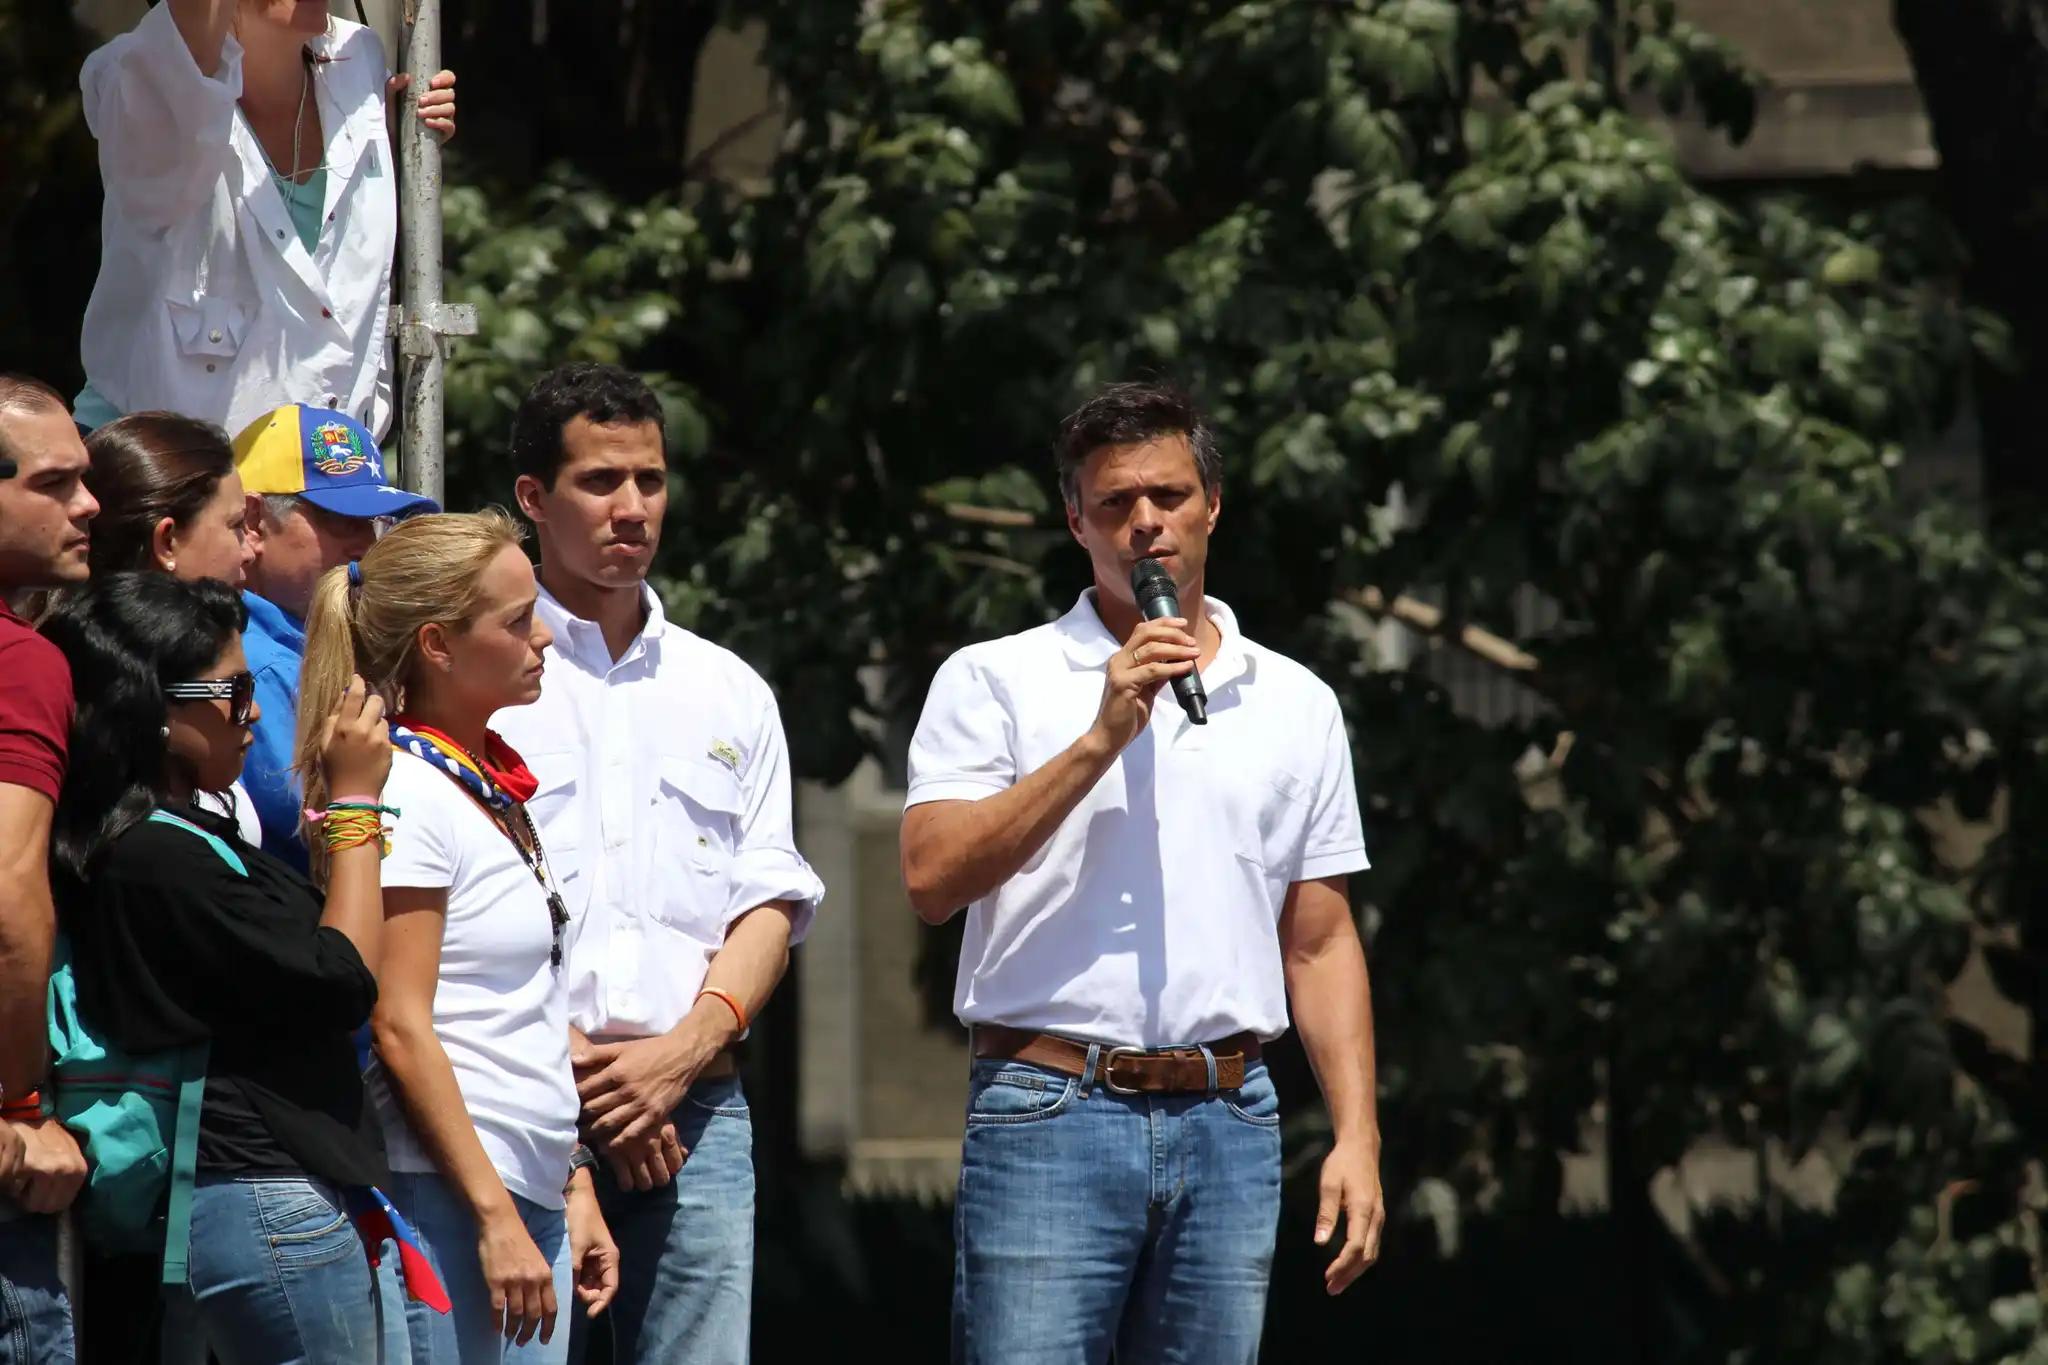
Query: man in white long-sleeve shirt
point(664, 806)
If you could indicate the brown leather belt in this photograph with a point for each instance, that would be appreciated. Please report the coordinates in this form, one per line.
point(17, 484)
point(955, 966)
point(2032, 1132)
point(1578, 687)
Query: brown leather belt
point(1125, 1070)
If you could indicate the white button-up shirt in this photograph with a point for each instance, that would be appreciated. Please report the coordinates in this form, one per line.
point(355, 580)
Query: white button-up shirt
point(207, 303)
point(1151, 916)
point(664, 808)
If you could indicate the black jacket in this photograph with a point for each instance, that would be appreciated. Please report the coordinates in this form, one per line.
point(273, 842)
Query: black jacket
point(171, 946)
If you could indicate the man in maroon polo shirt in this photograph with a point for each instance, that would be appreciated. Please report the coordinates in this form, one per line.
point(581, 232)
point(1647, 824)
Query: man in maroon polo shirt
point(45, 511)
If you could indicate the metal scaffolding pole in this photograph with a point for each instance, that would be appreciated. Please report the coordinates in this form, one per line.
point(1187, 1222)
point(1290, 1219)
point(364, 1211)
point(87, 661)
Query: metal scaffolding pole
point(423, 319)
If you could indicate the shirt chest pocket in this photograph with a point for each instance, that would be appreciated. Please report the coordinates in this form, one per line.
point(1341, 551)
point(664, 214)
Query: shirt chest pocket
point(209, 327)
point(698, 836)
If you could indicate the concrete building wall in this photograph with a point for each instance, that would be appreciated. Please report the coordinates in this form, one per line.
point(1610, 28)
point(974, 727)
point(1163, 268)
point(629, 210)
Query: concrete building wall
point(1837, 91)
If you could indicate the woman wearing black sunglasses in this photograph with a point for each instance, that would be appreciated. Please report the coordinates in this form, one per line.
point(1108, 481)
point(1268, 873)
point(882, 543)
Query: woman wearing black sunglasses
point(170, 500)
point(181, 935)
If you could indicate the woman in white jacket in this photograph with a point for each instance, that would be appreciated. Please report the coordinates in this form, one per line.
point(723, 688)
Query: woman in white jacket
point(251, 213)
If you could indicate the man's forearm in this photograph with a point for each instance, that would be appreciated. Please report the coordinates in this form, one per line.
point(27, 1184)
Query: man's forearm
point(630, 1085)
point(956, 852)
point(1330, 993)
point(755, 955)
point(27, 930)
point(748, 968)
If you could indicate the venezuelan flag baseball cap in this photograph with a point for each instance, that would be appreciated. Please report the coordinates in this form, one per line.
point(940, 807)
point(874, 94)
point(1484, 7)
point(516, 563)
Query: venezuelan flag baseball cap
point(325, 457)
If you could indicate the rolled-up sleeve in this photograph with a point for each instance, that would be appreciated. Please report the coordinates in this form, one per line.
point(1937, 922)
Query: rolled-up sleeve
point(965, 744)
point(766, 865)
point(164, 127)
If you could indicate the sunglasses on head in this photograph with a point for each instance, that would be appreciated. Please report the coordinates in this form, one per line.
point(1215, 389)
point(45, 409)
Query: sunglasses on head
point(238, 690)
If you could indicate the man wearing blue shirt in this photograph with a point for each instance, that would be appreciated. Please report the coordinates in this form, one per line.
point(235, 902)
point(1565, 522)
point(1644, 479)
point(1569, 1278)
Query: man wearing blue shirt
point(318, 498)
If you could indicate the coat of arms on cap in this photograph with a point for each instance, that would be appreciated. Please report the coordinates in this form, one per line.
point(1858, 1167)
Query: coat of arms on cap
point(337, 451)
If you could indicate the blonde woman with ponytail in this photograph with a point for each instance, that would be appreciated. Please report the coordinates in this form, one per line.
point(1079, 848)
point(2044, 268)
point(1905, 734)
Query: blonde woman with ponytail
point(471, 1074)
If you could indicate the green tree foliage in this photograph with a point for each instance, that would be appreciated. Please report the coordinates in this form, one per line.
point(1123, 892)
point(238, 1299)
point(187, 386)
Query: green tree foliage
point(1465, 331)
point(49, 191)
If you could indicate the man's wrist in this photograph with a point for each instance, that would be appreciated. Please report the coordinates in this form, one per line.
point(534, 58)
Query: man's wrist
point(1364, 1136)
point(1095, 747)
point(710, 1021)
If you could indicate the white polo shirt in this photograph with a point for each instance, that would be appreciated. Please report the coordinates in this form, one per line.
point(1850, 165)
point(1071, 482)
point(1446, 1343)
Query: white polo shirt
point(664, 803)
point(1151, 916)
point(500, 1011)
point(207, 303)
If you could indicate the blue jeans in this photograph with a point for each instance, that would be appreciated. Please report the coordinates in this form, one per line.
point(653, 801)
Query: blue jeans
point(277, 1275)
point(1089, 1221)
point(447, 1233)
point(35, 1315)
point(686, 1250)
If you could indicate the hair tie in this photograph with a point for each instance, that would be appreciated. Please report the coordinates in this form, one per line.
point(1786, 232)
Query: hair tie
point(355, 573)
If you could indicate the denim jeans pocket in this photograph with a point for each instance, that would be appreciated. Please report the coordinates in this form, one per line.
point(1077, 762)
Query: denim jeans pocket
point(1014, 1092)
point(723, 1097)
point(1256, 1101)
point(305, 1224)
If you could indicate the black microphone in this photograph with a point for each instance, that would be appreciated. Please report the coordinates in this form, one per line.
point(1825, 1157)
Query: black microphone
point(1153, 587)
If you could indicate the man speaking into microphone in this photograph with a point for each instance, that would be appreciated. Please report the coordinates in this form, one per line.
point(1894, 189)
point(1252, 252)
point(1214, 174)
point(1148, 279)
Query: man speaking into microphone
point(1152, 876)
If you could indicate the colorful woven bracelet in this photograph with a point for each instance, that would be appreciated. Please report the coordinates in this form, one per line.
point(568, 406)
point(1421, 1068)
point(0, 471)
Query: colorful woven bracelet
point(351, 828)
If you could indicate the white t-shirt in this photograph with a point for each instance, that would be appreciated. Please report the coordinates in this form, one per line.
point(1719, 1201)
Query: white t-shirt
point(501, 1010)
point(1151, 916)
point(236, 805)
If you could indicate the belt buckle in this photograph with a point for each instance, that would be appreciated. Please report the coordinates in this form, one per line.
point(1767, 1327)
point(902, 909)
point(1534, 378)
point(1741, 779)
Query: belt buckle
point(1109, 1070)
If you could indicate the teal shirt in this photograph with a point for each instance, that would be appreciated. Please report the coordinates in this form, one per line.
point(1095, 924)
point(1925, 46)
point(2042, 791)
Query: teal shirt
point(90, 410)
point(305, 203)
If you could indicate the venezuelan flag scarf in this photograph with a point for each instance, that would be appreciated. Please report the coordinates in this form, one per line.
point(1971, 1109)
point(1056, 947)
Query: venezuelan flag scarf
point(500, 779)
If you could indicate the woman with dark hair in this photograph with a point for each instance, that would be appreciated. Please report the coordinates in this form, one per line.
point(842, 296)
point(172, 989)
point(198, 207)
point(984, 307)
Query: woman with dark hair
point(172, 947)
point(170, 498)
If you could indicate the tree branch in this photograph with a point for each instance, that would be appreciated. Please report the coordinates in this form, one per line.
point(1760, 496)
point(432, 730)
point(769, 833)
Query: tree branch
point(1428, 620)
point(700, 164)
point(999, 563)
point(1008, 518)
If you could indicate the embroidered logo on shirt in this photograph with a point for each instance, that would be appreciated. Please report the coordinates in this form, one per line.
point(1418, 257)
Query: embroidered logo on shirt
point(726, 752)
